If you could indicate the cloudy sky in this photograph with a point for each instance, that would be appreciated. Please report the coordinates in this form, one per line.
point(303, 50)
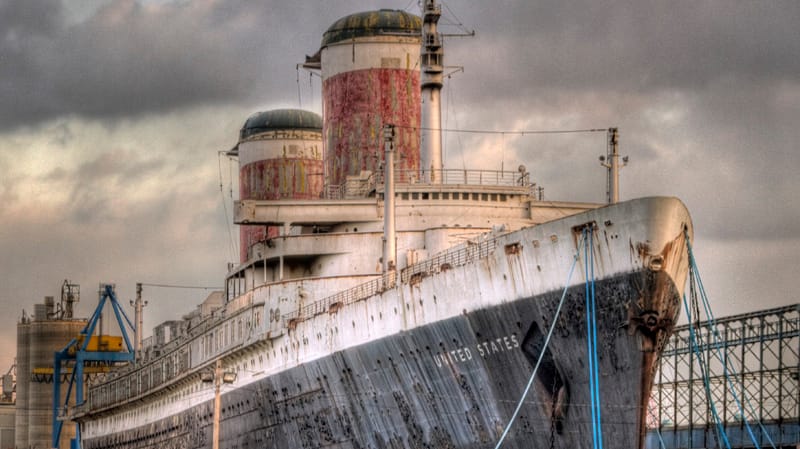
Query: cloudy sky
point(112, 114)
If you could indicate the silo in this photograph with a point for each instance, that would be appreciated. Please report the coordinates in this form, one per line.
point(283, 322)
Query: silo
point(370, 73)
point(23, 381)
point(45, 338)
point(280, 157)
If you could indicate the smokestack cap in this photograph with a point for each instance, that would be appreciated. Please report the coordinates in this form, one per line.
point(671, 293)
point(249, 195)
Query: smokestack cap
point(373, 23)
point(280, 120)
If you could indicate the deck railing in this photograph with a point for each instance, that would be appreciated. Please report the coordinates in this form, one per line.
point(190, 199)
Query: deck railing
point(344, 297)
point(411, 274)
point(359, 187)
point(448, 259)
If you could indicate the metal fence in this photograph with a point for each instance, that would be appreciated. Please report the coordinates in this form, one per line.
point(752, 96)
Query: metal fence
point(760, 351)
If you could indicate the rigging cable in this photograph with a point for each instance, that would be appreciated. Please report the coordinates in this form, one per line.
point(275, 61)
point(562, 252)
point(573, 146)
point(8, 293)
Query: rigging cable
point(297, 79)
point(544, 347)
point(458, 22)
point(717, 343)
point(509, 131)
point(199, 287)
point(225, 207)
point(696, 349)
point(230, 185)
point(311, 87)
point(450, 92)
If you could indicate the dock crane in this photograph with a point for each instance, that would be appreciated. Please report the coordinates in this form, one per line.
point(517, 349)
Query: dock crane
point(88, 353)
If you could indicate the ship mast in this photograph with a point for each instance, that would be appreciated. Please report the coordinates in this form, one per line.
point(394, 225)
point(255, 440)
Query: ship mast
point(611, 162)
point(389, 224)
point(431, 81)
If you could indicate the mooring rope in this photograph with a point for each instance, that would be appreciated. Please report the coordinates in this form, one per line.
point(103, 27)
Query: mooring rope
point(706, 380)
point(591, 338)
point(546, 343)
point(712, 330)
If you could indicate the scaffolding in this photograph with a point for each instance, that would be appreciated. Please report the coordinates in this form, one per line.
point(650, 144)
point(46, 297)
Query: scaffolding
point(761, 374)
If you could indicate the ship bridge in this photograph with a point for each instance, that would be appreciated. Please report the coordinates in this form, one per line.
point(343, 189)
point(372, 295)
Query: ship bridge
point(487, 195)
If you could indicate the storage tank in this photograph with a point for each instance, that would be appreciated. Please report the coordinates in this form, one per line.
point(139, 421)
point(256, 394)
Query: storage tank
point(280, 157)
point(45, 337)
point(23, 381)
point(370, 73)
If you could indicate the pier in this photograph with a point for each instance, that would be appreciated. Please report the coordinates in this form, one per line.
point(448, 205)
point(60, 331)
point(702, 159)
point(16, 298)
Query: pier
point(756, 394)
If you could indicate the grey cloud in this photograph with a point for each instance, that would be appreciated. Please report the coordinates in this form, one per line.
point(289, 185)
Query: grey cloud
point(130, 59)
point(642, 47)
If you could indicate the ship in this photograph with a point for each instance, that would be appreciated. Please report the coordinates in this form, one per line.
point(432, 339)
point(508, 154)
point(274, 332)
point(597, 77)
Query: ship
point(383, 301)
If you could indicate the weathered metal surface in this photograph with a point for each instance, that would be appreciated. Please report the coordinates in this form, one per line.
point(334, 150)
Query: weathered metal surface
point(284, 178)
point(384, 22)
point(280, 120)
point(356, 105)
point(280, 157)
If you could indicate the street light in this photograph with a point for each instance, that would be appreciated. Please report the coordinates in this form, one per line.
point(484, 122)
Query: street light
point(218, 378)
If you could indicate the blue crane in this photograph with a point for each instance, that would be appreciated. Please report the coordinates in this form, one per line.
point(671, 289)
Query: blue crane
point(100, 351)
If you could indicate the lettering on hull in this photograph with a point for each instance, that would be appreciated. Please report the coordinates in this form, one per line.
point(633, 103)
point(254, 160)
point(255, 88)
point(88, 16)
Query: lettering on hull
point(483, 349)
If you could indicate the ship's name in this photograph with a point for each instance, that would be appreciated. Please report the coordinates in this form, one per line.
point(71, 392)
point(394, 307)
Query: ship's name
point(482, 349)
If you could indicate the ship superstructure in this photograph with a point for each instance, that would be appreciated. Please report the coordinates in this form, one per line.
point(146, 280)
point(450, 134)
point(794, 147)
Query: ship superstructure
point(381, 304)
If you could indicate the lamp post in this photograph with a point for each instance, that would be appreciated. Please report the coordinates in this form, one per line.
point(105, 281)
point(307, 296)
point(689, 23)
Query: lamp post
point(219, 378)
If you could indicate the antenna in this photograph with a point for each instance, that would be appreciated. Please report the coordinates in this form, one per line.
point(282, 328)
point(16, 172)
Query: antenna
point(70, 294)
point(138, 307)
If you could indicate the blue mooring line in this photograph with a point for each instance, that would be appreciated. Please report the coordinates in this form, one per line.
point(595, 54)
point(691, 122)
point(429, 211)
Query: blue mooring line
point(591, 339)
point(544, 348)
point(712, 326)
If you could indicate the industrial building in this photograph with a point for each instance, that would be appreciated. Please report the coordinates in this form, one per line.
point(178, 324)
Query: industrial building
point(39, 336)
point(7, 411)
